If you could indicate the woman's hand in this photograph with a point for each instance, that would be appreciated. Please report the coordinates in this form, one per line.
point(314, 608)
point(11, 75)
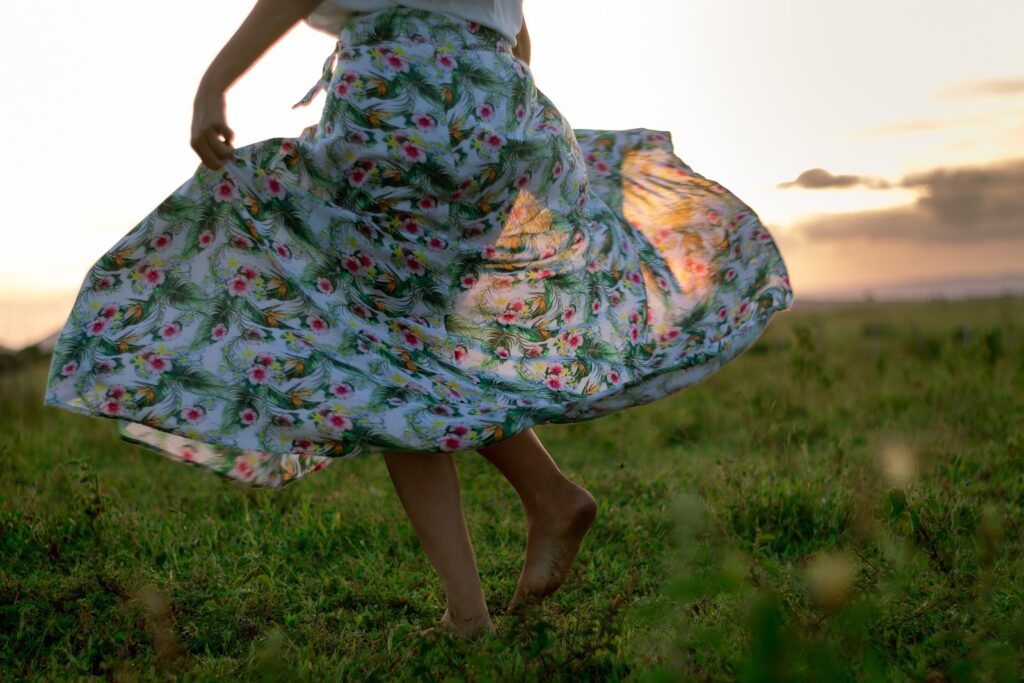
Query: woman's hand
point(267, 22)
point(209, 126)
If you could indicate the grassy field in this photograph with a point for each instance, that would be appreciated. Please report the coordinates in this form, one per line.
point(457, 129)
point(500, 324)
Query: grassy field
point(842, 502)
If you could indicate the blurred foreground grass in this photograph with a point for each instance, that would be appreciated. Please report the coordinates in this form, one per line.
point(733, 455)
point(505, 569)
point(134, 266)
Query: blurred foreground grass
point(842, 502)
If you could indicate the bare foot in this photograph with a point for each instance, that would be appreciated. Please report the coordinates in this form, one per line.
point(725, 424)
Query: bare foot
point(470, 629)
point(553, 540)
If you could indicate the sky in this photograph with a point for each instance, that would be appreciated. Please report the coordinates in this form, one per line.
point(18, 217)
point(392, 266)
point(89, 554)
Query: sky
point(880, 141)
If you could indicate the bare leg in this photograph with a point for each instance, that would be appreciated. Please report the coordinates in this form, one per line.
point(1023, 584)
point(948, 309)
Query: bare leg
point(428, 486)
point(558, 514)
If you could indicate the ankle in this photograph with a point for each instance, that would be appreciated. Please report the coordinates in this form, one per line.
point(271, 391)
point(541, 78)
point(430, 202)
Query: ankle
point(562, 498)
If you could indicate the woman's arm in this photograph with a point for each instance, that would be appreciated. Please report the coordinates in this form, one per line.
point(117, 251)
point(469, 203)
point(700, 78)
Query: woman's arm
point(266, 23)
point(522, 48)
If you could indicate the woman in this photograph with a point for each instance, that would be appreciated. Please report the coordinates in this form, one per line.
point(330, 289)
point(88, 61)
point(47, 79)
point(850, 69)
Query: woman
point(438, 265)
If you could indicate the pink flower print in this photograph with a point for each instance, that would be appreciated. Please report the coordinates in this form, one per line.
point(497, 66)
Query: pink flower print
point(317, 324)
point(544, 273)
point(187, 454)
point(601, 167)
point(152, 276)
point(105, 282)
point(502, 352)
point(634, 333)
point(108, 311)
point(713, 216)
point(414, 265)
point(592, 266)
point(365, 261)
point(573, 339)
point(520, 112)
point(350, 263)
point(302, 445)
point(424, 122)
point(350, 77)
point(473, 26)
point(258, 375)
point(412, 340)
point(97, 326)
point(555, 369)
point(396, 63)
point(342, 89)
point(460, 352)
point(357, 176)
point(614, 377)
point(372, 337)
point(338, 422)
point(532, 350)
point(522, 180)
point(265, 359)
point(461, 430)
point(614, 299)
point(412, 152)
point(673, 333)
point(596, 306)
point(634, 317)
point(452, 442)
point(239, 285)
point(485, 110)
point(446, 62)
point(243, 470)
point(508, 317)
point(248, 416)
point(324, 285)
point(341, 389)
point(435, 243)
point(275, 187)
point(361, 311)
point(158, 364)
point(116, 392)
point(287, 148)
point(160, 241)
point(635, 277)
point(411, 227)
point(284, 419)
point(661, 282)
point(241, 242)
point(730, 275)
point(494, 141)
point(554, 382)
point(112, 407)
point(358, 136)
point(569, 313)
point(225, 191)
point(557, 170)
point(205, 238)
point(194, 414)
point(764, 237)
point(427, 203)
point(219, 331)
point(170, 331)
point(69, 369)
point(517, 305)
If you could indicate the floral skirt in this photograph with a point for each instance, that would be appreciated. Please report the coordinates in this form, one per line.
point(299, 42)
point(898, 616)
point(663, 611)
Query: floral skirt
point(438, 264)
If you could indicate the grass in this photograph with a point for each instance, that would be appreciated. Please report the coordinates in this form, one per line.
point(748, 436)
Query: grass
point(842, 502)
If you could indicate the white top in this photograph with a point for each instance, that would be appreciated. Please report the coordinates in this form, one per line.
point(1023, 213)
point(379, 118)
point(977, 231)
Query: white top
point(504, 16)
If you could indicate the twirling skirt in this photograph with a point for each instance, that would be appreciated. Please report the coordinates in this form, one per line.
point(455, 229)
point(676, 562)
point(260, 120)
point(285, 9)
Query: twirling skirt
point(438, 264)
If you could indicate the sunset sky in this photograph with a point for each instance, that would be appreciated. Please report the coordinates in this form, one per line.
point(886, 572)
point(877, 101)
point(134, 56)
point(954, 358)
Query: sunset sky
point(880, 141)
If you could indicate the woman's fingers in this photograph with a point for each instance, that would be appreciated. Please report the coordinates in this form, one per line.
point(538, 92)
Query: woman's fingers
point(212, 150)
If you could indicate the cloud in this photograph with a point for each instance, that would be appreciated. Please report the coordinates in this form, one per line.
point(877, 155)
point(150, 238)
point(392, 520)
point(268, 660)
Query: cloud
point(819, 178)
point(966, 204)
point(999, 87)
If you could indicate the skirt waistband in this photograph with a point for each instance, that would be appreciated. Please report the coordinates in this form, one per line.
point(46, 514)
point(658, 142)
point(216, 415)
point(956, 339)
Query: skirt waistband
point(408, 26)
